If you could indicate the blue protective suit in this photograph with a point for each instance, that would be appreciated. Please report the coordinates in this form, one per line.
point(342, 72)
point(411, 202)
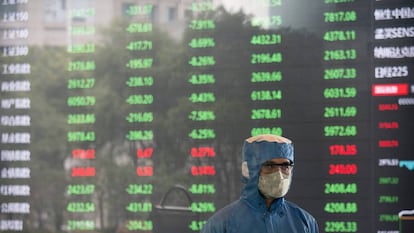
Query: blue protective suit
point(249, 214)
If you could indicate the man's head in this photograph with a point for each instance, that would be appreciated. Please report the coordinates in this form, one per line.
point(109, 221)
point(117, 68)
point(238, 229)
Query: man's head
point(261, 149)
point(267, 163)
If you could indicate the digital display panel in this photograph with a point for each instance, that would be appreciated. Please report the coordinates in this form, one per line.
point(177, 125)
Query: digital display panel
point(129, 116)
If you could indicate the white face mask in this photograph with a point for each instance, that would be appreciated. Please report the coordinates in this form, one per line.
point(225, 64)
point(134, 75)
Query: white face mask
point(274, 185)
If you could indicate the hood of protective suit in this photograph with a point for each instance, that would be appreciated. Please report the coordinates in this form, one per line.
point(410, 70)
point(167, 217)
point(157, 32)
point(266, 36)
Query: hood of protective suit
point(257, 150)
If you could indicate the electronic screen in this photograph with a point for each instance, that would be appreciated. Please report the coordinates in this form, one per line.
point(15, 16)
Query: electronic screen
point(129, 116)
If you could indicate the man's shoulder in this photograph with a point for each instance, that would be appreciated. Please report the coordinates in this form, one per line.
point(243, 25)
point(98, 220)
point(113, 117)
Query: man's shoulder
point(228, 209)
point(221, 218)
point(296, 208)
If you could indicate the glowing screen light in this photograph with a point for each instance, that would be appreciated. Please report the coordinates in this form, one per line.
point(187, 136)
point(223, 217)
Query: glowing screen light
point(135, 112)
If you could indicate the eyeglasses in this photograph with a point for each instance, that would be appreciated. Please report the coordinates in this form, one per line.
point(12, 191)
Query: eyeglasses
point(270, 167)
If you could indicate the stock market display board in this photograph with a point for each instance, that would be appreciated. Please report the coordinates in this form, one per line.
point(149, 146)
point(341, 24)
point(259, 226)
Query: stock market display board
point(129, 116)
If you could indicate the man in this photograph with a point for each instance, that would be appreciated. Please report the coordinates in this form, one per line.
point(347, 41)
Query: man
point(266, 172)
